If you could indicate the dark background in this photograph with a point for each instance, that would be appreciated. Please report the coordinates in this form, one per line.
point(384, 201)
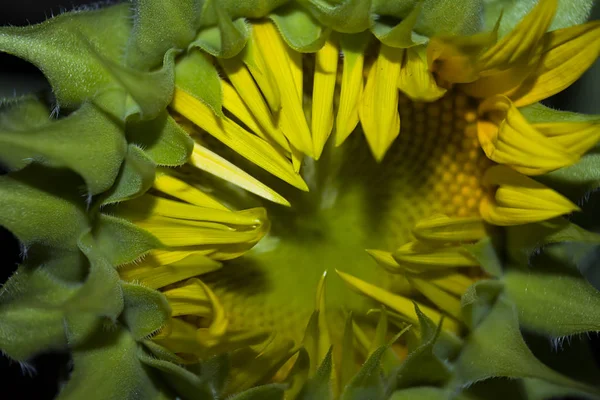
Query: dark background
point(39, 379)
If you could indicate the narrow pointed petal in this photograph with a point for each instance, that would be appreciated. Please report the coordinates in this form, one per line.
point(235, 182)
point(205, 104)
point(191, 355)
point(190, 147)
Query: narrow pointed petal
point(206, 160)
point(523, 40)
point(397, 303)
point(415, 79)
point(246, 88)
point(378, 108)
point(258, 68)
point(567, 54)
point(353, 48)
point(181, 190)
point(513, 141)
point(238, 139)
point(180, 337)
point(422, 258)
point(520, 200)
point(286, 67)
point(446, 302)
point(219, 323)
point(189, 299)
point(441, 228)
point(325, 75)
point(576, 137)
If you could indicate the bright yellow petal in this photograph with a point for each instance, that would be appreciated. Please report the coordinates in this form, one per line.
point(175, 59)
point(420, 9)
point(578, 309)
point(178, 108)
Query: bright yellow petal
point(446, 302)
point(210, 162)
point(219, 322)
point(378, 107)
point(181, 190)
point(286, 67)
point(238, 139)
point(567, 54)
point(520, 200)
point(422, 258)
point(415, 79)
point(576, 137)
point(397, 303)
point(441, 228)
point(352, 85)
point(189, 299)
point(258, 68)
point(325, 75)
point(513, 141)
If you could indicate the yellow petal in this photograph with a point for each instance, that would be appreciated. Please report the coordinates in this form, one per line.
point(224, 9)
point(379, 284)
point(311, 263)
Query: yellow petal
point(397, 303)
point(451, 282)
point(208, 161)
point(286, 67)
point(514, 142)
point(421, 258)
point(181, 338)
point(378, 107)
point(444, 301)
point(181, 190)
point(520, 200)
point(246, 89)
point(325, 75)
point(523, 40)
point(352, 85)
point(415, 80)
point(258, 68)
point(189, 299)
point(238, 139)
point(441, 228)
point(385, 259)
point(219, 323)
point(567, 54)
point(576, 137)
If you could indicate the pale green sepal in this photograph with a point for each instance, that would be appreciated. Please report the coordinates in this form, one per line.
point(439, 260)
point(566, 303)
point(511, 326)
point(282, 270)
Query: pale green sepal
point(160, 25)
point(568, 13)
point(267, 392)
point(43, 207)
point(402, 34)
point(197, 75)
point(450, 17)
point(319, 386)
point(162, 139)
point(88, 141)
point(486, 253)
point(538, 113)
point(370, 382)
point(348, 16)
point(23, 113)
point(577, 180)
point(146, 310)
point(478, 301)
point(227, 38)
point(56, 48)
point(161, 352)
point(522, 241)
point(121, 241)
point(497, 349)
point(554, 304)
point(423, 365)
point(149, 93)
point(135, 178)
point(422, 393)
point(300, 30)
point(537, 389)
point(107, 367)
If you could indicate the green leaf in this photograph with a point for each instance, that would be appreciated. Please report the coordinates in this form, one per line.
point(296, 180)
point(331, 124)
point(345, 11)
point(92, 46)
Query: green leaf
point(478, 301)
point(23, 113)
point(447, 17)
point(121, 241)
point(88, 141)
point(227, 38)
point(107, 367)
point(319, 386)
point(552, 303)
point(135, 178)
point(522, 241)
point(400, 35)
point(162, 139)
point(55, 47)
point(196, 74)
point(423, 366)
point(369, 381)
point(568, 13)
point(486, 252)
point(496, 349)
point(300, 30)
point(159, 26)
point(350, 16)
point(43, 207)
point(145, 311)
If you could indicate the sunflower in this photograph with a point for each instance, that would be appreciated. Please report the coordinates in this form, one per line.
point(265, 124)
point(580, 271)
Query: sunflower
point(316, 207)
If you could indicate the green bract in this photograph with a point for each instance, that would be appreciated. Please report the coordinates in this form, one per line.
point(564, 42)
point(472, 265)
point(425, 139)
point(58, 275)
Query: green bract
point(113, 72)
